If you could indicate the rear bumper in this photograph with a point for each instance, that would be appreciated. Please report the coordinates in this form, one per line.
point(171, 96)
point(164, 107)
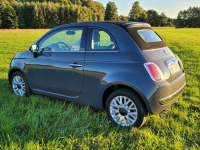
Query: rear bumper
point(161, 95)
point(167, 99)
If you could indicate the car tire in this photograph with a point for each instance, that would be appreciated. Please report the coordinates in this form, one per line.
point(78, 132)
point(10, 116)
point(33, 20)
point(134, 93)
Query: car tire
point(125, 108)
point(20, 85)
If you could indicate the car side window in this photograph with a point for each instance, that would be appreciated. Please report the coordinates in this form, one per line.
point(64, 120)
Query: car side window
point(101, 40)
point(62, 41)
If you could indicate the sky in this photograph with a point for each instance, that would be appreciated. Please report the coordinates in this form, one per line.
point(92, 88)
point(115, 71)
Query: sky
point(169, 7)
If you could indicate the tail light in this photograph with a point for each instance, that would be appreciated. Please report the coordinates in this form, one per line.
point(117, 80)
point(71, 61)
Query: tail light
point(154, 72)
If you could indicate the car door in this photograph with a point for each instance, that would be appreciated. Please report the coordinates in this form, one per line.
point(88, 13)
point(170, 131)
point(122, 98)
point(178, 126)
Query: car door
point(102, 59)
point(58, 66)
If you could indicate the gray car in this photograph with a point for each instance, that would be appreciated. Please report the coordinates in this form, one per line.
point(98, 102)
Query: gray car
point(122, 67)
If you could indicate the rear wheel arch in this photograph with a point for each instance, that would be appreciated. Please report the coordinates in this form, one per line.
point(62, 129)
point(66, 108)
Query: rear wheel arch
point(114, 87)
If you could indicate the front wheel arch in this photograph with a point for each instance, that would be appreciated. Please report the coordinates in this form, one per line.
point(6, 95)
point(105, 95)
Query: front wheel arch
point(13, 71)
point(27, 90)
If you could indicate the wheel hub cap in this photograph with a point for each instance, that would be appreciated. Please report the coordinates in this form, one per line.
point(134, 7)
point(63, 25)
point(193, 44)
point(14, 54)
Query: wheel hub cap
point(18, 85)
point(123, 111)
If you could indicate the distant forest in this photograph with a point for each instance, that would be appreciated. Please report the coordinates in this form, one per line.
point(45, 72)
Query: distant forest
point(26, 14)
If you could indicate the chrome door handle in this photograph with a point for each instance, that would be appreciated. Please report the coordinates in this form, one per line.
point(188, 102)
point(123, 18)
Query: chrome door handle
point(75, 65)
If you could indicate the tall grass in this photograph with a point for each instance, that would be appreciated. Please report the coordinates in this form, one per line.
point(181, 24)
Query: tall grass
point(41, 122)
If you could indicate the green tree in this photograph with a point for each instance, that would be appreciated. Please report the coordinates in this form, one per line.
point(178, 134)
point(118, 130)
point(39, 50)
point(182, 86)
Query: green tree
point(65, 2)
point(39, 19)
point(9, 18)
point(123, 18)
point(143, 16)
point(51, 15)
point(111, 11)
point(96, 8)
point(137, 13)
point(87, 3)
point(1, 10)
point(84, 14)
point(76, 2)
point(25, 13)
point(192, 16)
point(99, 11)
point(153, 18)
point(180, 21)
point(3, 5)
point(170, 22)
point(163, 19)
point(18, 9)
point(0, 19)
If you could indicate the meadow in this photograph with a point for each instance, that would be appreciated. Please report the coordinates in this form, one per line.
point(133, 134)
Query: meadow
point(40, 122)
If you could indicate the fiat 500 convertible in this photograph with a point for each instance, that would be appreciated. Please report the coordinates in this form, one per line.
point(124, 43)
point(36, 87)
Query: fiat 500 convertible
point(122, 67)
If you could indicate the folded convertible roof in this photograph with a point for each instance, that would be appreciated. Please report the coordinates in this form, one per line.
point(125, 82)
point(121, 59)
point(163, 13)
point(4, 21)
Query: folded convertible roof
point(126, 24)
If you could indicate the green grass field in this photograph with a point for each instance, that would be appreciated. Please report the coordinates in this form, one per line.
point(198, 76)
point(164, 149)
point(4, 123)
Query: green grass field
point(40, 122)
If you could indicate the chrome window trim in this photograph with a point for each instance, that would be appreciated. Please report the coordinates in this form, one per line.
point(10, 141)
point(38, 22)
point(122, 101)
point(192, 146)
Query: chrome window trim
point(61, 51)
point(102, 51)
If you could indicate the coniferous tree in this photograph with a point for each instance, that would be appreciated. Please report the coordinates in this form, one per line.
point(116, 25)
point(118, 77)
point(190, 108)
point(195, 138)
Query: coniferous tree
point(28, 14)
point(9, 18)
point(0, 17)
point(111, 11)
point(137, 13)
point(76, 2)
point(98, 10)
point(38, 20)
point(19, 12)
point(83, 14)
point(51, 15)
point(3, 5)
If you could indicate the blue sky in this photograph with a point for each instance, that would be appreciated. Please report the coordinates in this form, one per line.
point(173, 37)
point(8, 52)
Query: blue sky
point(169, 7)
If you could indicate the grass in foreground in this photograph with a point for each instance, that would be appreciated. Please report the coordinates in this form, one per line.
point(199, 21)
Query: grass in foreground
point(40, 122)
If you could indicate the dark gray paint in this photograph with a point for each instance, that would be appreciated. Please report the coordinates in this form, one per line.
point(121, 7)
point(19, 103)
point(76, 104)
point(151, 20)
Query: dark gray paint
point(50, 74)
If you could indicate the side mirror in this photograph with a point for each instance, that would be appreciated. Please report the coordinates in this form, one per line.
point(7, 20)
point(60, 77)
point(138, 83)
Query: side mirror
point(33, 48)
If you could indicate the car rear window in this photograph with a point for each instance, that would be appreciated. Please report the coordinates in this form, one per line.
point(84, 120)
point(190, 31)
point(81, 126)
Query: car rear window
point(146, 38)
point(149, 36)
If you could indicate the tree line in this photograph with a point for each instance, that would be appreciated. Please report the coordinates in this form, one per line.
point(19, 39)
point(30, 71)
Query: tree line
point(138, 14)
point(50, 13)
point(189, 18)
